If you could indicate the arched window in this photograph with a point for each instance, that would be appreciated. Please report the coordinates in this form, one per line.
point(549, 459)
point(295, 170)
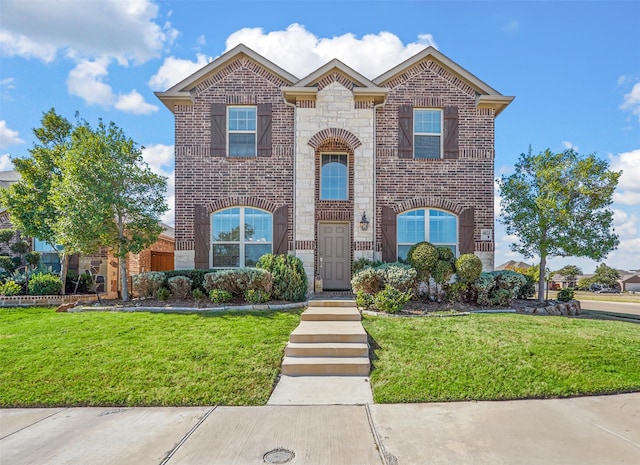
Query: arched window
point(425, 224)
point(334, 177)
point(240, 236)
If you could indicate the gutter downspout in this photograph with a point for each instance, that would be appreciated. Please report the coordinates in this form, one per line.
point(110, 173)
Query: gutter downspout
point(295, 171)
point(375, 190)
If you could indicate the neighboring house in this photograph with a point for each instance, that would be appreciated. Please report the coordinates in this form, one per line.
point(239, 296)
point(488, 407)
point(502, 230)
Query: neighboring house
point(513, 265)
point(102, 265)
point(630, 282)
point(332, 167)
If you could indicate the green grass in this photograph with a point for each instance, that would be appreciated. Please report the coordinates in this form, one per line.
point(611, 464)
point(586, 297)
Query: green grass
point(492, 357)
point(111, 359)
point(583, 295)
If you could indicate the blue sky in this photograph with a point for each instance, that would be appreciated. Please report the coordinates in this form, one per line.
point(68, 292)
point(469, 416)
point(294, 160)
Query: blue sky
point(574, 67)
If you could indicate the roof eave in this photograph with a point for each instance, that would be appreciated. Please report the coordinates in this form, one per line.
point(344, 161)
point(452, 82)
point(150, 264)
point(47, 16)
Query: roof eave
point(170, 99)
point(497, 102)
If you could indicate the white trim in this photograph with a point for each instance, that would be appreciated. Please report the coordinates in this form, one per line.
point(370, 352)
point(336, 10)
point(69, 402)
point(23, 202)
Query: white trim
point(344, 154)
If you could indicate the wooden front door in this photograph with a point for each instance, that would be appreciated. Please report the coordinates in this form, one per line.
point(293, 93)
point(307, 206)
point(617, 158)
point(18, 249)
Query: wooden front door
point(161, 261)
point(334, 259)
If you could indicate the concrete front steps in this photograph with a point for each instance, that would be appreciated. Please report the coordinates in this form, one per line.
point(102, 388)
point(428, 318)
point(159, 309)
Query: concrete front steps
point(330, 341)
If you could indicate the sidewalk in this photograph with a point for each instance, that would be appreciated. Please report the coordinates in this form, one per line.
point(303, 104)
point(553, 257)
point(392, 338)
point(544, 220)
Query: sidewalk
point(586, 431)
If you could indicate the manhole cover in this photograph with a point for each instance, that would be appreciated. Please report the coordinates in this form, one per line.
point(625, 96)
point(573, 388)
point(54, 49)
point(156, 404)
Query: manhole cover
point(278, 456)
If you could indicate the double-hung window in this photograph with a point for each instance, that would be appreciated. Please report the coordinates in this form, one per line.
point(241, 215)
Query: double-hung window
point(240, 236)
point(241, 131)
point(427, 133)
point(435, 226)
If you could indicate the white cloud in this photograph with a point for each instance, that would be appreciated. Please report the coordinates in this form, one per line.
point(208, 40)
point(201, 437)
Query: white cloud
point(174, 70)
point(113, 28)
point(8, 136)
point(631, 101)
point(160, 159)
point(134, 103)
point(628, 190)
point(511, 26)
point(569, 145)
point(6, 85)
point(301, 52)
point(5, 162)
point(86, 81)
point(625, 224)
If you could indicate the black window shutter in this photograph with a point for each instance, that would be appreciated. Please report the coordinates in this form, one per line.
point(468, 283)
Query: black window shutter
point(405, 131)
point(201, 231)
point(281, 230)
point(389, 235)
point(218, 130)
point(451, 133)
point(466, 228)
point(264, 130)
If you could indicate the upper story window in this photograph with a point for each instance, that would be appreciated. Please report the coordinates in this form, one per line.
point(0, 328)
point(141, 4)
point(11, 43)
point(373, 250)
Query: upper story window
point(240, 236)
point(334, 177)
point(427, 133)
point(435, 226)
point(242, 131)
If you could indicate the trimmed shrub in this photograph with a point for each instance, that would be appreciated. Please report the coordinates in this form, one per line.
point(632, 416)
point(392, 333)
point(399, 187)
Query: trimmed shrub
point(498, 287)
point(10, 288)
point(256, 296)
point(459, 292)
point(528, 289)
point(564, 295)
point(423, 257)
point(196, 277)
point(391, 300)
point(7, 263)
point(32, 259)
point(364, 300)
point(180, 287)
point(220, 296)
point(198, 296)
point(45, 284)
point(163, 293)
point(468, 268)
point(239, 280)
point(369, 281)
point(289, 278)
point(399, 275)
point(362, 263)
point(148, 284)
point(483, 285)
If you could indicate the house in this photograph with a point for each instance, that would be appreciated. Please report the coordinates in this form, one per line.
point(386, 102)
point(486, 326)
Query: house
point(630, 281)
point(102, 265)
point(334, 166)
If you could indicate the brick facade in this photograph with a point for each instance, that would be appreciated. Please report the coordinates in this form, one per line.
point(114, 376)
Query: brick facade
point(334, 110)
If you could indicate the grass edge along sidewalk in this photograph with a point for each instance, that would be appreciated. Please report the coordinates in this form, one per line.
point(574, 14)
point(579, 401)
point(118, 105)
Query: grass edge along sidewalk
point(500, 356)
point(52, 359)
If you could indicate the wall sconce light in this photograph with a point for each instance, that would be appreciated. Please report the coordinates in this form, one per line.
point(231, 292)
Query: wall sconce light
point(364, 222)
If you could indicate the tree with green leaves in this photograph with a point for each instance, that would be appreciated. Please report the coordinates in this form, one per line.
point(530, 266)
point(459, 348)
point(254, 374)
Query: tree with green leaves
point(110, 194)
point(570, 272)
point(30, 201)
point(606, 275)
point(557, 206)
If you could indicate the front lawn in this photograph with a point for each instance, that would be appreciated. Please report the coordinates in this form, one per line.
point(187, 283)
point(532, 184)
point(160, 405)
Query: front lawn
point(74, 359)
point(500, 356)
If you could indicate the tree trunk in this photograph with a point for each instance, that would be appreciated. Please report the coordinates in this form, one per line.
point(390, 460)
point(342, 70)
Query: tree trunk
point(64, 268)
point(541, 277)
point(123, 276)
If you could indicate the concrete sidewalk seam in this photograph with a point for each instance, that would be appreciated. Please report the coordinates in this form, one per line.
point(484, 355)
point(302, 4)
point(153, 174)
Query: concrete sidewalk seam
point(175, 448)
point(376, 437)
point(34, 423)
point(613, 433)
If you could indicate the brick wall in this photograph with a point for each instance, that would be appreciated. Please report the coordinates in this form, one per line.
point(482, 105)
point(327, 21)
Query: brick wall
point(452, 185)
point(204, 180)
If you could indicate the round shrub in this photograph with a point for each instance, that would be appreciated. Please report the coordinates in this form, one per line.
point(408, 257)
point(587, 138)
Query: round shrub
point(219, 296)
point(423, 257)
point(468, 268)
point(362, 263)
point(442, 271)
point(239, 280)
point(289, 278)
point(391, 300)
point(399, 275)
point(483, 286)
point(147, 284)
point(10, 288)
point(45, 284)
point(364, 300)
point(180, 287)
point(564, 295)
point(256, 296)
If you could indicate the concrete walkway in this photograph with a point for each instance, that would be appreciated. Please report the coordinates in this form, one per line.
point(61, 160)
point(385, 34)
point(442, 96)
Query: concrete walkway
point(585, 431)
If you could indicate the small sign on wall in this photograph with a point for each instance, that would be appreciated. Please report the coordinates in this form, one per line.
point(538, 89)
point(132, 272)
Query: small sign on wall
point(486, 234)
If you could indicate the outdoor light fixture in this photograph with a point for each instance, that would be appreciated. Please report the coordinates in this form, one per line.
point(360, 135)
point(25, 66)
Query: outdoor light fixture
point(364, 222)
